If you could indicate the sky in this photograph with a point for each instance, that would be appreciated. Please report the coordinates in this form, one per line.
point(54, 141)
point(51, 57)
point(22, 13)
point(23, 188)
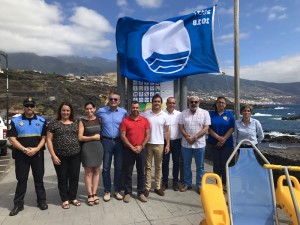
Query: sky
point(269, 30)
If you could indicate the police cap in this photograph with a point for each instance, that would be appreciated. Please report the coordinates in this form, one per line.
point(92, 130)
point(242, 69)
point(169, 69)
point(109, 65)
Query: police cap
point(28, 102)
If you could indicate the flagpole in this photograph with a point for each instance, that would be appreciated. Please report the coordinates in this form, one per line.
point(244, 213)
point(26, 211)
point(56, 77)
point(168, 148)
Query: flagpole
point(236, 60)
point(120, 84)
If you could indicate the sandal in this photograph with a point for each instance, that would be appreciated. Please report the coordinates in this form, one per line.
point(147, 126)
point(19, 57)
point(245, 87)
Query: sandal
point(65, 205)
point(96, 199)
point(75, 202)
point(90, 200)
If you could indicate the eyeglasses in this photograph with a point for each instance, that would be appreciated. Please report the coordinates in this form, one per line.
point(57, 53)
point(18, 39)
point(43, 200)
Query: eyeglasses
point(194, 102)
point(221, 103)
point(113, 99)
point(29, 106)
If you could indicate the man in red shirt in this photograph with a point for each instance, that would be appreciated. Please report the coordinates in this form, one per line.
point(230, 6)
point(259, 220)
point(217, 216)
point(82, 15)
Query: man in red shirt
point(135, 133)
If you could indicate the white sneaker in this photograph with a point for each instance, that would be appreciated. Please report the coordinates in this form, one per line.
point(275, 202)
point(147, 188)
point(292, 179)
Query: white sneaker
point(118, 196)
point(106, 196)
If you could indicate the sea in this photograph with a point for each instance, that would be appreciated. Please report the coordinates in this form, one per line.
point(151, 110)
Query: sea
point(270, 117)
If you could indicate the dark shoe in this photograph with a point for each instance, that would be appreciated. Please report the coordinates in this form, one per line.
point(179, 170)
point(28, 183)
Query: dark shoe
point(164, 186)
point(175, 187)
point(16, 210)
point(185, 188)
point(160, 192)
point(146, 193)
point(42, 205)
point(198, 191)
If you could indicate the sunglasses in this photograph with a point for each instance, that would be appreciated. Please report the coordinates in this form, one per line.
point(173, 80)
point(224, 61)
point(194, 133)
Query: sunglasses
point(29, 106)
point(194, 102)
point(113, 99)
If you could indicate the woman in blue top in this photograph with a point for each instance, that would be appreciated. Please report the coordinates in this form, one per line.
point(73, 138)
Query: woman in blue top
point(220, 141)
point(248, 128)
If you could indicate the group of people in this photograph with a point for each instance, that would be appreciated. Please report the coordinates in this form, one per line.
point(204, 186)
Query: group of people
point(110, 134)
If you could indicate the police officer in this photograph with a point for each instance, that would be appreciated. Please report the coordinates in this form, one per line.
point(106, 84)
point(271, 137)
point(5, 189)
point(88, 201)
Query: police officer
point(27, 134)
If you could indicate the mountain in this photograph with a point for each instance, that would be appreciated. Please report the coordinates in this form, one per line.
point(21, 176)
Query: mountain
point(206, 85)
point(253, 91)
point(62, 64)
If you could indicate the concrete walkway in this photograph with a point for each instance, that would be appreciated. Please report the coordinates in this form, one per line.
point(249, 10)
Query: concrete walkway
point(173, 208)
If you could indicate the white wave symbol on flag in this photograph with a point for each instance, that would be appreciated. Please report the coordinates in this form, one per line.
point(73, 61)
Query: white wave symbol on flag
point(166, 47)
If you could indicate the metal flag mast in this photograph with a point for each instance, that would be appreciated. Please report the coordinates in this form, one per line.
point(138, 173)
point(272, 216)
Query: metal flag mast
point(236, 61)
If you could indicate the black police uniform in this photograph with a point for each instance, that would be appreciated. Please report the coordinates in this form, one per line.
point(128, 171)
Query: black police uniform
point(28, 132)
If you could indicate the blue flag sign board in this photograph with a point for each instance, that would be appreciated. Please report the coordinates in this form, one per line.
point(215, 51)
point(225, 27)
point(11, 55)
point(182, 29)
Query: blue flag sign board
point(174, 48)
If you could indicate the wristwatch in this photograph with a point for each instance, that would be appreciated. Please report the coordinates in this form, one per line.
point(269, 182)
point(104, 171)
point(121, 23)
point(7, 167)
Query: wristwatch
point(25, 150)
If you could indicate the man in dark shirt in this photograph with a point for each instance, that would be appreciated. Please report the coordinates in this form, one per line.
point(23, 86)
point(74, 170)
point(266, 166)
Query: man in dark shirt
point(27, 134)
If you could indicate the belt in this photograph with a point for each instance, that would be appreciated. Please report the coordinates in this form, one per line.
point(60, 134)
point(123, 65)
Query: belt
point(110, 138)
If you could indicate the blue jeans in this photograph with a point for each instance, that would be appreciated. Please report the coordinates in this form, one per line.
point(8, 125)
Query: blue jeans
point(187, 154)
point(175, 150)
point(112, 148)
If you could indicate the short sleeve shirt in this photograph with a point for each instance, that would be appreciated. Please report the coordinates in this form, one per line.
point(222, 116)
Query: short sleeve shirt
point(157, 124)
point(28, 131)
point(221, 124)
point(174, 119)
point(193, 123)
point(135, 129)
point(65, 138)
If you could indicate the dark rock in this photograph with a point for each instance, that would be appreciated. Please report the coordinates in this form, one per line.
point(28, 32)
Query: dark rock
point(291, 117)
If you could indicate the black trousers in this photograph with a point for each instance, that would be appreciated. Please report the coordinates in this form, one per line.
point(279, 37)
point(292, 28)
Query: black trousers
point(130, 158)
point(68, 176)
point(23, 163)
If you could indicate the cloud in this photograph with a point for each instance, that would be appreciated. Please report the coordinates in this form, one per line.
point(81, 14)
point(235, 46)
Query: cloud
point(35, 26)
point(191, 10)
point(228, 38)
point(225, 11)
point(149, 3)
point(121, 3)
point(282, 70)
point(276, 13)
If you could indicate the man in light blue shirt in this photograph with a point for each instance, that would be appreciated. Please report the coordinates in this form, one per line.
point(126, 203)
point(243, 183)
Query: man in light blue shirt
point(111, 117)
point(247, 128)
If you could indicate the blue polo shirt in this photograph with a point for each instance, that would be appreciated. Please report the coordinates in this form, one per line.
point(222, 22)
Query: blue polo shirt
point(221, 124)
point(111, 120)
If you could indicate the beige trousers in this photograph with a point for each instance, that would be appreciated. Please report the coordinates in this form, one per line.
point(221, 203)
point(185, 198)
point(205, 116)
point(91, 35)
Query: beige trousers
point(156, 150)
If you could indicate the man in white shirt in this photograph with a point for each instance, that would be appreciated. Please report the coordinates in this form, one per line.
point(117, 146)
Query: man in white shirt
point(159, 124)
point(175, 146)
point(193, 124)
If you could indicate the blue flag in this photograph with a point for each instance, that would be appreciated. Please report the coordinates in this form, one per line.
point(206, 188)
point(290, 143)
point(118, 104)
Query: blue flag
point(165, 51)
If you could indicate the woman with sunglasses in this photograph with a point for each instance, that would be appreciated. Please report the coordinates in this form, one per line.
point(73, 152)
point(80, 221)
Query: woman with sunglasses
point(91, 151)
point(64, 147)
point(220, 140)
